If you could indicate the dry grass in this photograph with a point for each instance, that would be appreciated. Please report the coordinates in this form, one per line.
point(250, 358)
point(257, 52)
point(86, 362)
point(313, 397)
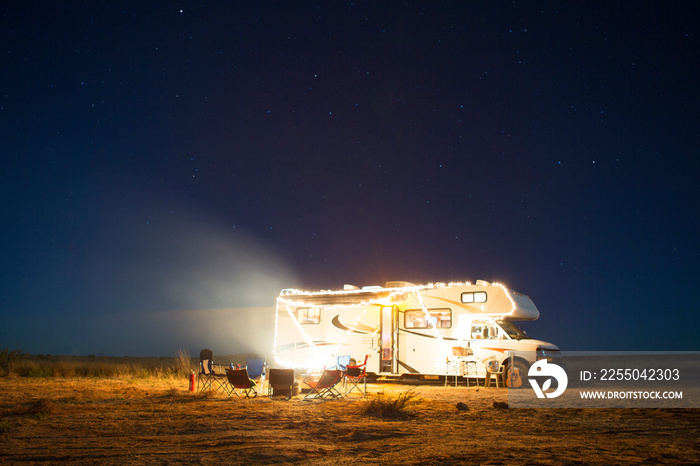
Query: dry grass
point(15, 363)
point(183, 362)
point(8, 360)
point(121, 411)
point(386, 407)
point(42, 406)
point(144, 421)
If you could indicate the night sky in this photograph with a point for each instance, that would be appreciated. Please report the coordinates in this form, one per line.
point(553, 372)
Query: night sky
point(169, 167)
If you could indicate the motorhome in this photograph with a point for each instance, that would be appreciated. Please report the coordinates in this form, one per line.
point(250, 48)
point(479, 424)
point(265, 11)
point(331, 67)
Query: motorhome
point(410, 330)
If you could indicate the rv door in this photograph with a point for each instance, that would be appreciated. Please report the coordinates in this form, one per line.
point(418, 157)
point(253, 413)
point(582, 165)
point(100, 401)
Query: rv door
point(387, 339)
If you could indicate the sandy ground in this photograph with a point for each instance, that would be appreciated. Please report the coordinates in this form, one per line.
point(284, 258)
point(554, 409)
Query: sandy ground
point(112, 421)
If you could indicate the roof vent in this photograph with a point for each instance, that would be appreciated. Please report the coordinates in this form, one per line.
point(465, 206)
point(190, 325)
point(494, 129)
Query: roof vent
point(350, 287)
point(482, 283)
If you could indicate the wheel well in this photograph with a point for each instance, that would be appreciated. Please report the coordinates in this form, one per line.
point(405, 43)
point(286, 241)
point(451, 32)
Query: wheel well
point(505, 362)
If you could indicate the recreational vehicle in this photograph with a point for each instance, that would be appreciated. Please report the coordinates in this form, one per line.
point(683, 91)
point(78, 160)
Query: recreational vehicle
point(410, 330)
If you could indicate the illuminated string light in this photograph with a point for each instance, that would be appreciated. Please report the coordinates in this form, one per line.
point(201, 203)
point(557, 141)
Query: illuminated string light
point(277, 321)
point(287, 304)
point(505, 291)
point(379, 296)
point(317, 358)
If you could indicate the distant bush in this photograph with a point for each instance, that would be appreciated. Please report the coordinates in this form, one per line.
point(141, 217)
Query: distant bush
point(26, 365)
point(42, 406)
point(39, 372)
point(9, 360)
point(183, 362)
point(21, 364)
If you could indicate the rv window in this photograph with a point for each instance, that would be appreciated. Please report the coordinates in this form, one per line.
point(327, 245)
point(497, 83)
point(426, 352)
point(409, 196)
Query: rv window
point(482, 329)
point(309, 315)
point(512, 330)
point(436, 318)
point(474, 297)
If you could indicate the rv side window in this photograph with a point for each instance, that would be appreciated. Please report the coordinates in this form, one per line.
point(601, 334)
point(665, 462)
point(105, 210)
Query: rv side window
point(309, 315)
point(436, 318)
point(474, 297)
point(485, 330)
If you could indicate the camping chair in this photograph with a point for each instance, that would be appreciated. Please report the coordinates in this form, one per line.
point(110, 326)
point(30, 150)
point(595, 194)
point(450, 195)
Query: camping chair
point(211, 376)
point(343, 362)
point(256, 370)
point(462, 363)
point(324, 388)
point(239, 380)
point(493, 370)
point(280, 382)
point(354, 374)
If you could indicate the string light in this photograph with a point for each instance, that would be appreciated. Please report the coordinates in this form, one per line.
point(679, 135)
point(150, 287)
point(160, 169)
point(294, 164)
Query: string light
point(377, 296)
point(505, 291)
point(286, 303)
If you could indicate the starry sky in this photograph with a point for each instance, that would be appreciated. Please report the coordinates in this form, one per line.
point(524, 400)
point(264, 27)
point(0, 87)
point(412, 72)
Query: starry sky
point(169, 167)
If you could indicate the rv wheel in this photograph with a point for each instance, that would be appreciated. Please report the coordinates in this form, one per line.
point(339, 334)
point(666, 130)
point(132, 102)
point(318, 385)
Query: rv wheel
point(515, 375)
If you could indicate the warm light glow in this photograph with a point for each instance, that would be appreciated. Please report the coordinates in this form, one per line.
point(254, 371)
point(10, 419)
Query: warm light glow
point(357, 291)
point(315, 362)
point(294, 298)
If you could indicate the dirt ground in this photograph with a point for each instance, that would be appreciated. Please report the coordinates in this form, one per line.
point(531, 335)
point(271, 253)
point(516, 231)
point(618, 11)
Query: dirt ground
point(114, 421)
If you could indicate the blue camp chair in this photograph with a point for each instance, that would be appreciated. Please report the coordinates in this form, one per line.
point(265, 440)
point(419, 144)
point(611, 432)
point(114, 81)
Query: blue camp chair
point(343, 362)
point(256, 370)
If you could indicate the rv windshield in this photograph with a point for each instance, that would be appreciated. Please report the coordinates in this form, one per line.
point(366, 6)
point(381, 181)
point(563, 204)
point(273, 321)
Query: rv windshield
point(512, 330)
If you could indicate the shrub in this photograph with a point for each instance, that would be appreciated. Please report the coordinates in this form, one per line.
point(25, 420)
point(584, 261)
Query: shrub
point(42, 406)
point(389, 408)
point(6, 425)
point(8, 361)
point(183, 362)
point(26, 365)
point(39, 372)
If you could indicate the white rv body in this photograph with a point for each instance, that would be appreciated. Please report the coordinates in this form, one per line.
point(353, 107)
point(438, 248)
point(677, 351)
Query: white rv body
point(407, 329)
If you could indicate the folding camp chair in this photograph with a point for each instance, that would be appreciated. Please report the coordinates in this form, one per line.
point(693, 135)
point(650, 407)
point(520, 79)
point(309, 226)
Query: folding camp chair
point(256, 370)
point(238, 379)
point(462, 364)
point(324, 388)
point(353, 375)
point(343, 362)
point(280, 382)
point(211, 376)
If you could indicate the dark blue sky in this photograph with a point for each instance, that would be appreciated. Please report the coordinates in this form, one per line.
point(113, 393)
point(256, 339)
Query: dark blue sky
point(170, 166)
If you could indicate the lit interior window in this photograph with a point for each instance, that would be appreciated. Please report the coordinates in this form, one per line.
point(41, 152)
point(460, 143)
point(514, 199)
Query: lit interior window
point(438, 318)
point(474, 297)
point(309, 315)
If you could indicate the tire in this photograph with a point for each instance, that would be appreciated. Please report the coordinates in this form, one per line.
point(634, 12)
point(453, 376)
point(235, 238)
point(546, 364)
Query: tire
point(515, 376)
